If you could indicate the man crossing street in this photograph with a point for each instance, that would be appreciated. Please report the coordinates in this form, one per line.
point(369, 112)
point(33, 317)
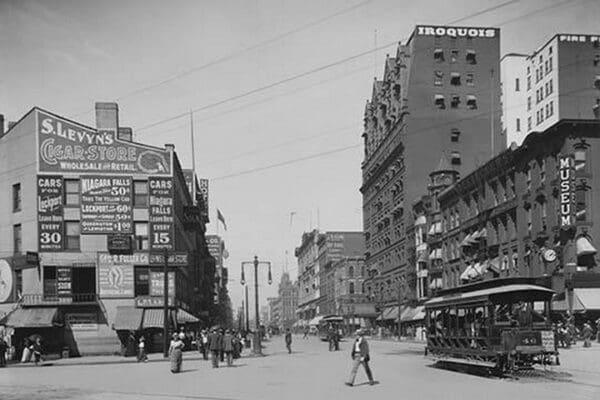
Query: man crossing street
point(360, 355)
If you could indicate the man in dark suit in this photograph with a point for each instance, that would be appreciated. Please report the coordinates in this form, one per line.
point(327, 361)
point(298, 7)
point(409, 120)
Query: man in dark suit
point(360, 355)
point(288, 340)
point(215, 344)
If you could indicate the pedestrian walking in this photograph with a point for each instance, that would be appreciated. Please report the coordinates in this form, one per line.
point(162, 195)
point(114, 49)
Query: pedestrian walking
point(598, 330)
point(37, 350)
point(176, 352)
point(360, 355)
point(306, 330)
point(3, 348)
point(142, 356)
point(237, 345)
point(204, 341)
point(215, 344)
point(288, 340)
point(222, 352)
point(27, 351)
point(228, 347)
point(587, 333)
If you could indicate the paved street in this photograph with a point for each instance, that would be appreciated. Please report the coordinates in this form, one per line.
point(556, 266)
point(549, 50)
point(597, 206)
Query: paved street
point(311, 372)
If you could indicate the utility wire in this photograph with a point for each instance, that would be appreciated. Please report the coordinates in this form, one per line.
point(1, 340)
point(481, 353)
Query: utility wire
point(238, 53)
point(322, 68)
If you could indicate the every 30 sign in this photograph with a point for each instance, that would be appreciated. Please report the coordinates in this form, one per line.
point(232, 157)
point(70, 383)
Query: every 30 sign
point(50, 212)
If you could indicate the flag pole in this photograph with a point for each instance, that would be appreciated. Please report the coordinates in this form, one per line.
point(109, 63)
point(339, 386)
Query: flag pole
point(193, 158)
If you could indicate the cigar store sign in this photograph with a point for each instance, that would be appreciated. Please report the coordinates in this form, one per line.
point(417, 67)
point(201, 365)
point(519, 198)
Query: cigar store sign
point(67, 147)
point(456, 32)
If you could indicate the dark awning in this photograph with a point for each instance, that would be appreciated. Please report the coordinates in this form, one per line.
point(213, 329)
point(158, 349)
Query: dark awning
point(32, 318)
point(128, 318)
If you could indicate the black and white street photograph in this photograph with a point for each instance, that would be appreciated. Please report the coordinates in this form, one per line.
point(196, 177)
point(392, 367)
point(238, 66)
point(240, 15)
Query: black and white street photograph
point(299, 199)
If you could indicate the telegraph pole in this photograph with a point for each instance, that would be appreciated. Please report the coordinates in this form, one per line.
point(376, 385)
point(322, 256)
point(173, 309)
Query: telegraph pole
point(166, 304)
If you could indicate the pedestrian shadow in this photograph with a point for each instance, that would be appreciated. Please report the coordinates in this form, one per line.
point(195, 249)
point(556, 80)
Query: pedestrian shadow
point(183, 371)
point(367, 383)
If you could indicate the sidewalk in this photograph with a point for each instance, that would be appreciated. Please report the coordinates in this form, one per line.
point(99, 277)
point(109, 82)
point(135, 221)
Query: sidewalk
point(581, 359)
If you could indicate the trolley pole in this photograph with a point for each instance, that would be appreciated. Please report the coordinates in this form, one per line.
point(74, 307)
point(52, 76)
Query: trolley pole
point(257, 350)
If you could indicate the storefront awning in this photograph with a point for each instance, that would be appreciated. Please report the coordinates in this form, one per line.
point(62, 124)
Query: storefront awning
point(584, 246)
point(153, 318)
point(184, 317)
point(559, 303)
point(584, 299)
point(407, 314)
point(389, 313)
point(31, 318)
point(316, 320)
point(419, 314)
point(128, 318)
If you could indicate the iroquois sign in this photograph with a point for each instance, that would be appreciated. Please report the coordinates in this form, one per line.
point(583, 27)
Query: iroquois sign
point(65, 146)
point(456, 32)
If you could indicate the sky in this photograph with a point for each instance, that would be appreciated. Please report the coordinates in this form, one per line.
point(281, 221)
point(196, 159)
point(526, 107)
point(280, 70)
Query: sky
point(277, 94)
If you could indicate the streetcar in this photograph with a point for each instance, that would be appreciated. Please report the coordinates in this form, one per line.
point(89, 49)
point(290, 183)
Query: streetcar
point(500, 325)
point(329, 324)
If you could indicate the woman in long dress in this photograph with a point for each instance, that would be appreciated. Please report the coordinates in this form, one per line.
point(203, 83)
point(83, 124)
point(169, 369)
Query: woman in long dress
point(176, 352)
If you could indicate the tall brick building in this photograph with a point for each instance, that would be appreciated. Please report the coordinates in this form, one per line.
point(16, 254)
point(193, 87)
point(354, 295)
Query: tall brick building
point(437, 97)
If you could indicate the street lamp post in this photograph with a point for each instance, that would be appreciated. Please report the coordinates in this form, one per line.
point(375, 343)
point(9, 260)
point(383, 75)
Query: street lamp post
point(257, 348)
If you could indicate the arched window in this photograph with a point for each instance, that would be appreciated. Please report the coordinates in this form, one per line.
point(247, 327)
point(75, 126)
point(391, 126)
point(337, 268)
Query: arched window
point(351, 288)
point(351, 272)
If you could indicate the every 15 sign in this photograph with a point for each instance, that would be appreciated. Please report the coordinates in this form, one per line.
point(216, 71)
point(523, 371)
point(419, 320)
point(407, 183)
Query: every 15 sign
point(160, 213)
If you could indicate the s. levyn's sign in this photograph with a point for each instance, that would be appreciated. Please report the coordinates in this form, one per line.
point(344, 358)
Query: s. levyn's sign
point(65, 146)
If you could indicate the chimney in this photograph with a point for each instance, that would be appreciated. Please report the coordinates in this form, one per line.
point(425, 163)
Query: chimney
point(107, 116)
point(170, 147)
point(1, 125)
point(126, 134)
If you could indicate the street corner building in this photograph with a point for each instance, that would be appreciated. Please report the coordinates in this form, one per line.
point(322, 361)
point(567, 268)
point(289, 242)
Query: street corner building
point(87, 218)
point(437, 97)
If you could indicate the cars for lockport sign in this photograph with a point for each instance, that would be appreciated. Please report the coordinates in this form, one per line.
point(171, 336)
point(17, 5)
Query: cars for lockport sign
point(68, 147)
point(50, 212)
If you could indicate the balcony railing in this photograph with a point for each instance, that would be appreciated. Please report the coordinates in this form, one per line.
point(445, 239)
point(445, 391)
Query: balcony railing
point(51, 300)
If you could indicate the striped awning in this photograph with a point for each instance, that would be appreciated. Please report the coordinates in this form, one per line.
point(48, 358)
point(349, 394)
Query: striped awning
point(153, 318)
point(128, 318)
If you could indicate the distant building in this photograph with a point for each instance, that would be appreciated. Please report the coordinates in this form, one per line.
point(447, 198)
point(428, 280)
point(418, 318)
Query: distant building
point(560, 80)
point(438, 96)
point(308, 276)
point(288, 301)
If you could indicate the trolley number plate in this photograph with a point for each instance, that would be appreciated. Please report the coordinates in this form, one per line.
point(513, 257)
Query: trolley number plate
point(548, 340)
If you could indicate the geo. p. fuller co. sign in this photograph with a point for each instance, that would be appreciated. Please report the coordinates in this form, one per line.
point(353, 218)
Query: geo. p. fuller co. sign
point(67, 147)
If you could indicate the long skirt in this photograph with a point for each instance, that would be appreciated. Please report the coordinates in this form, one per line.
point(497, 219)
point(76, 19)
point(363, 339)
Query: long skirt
point(26, 355)
point(176, 359)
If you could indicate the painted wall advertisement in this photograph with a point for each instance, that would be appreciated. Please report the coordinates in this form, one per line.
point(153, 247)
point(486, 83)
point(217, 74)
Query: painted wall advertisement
point(115, 275)
point(63, 281)
point(65, 146)
point(157, 284)
point(50, 212)
point(160, 213)
point(203, 189)
point(213, 242)
point(106, 204)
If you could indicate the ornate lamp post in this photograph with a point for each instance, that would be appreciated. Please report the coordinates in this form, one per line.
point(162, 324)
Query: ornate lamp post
point(257, 348)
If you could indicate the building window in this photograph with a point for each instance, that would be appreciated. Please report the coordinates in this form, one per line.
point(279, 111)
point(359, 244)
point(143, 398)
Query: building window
point(142, 281)
point(455, 101)
point(471, 102)
point(517, 86)
point(438, 55)
point(454, 135)
point(50, 286)
point(17, 239)
point(580, 160)
point(470, 79)
point(528, 173)
point(16, 197)
point(544, 211)
point(19, 283)
point(470, 57)
point(455, 78)
point(518, 124)
point(72, 192)
point(543, 171)
point(438, 78)
point(439, 101)
point(453, 55)
point(141, 236)
point(351, 272)
point(529, 82)
point(515, 261)
point(529, 224)
point(580, 210)
point(351, 288)
point(140, 194)
point(550, 89)
point(528, 123)
point(529, 103)
point(455, 158)
point(72, 235)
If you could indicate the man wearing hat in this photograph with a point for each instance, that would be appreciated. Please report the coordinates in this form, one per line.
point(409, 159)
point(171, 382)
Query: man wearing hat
point(360, 355)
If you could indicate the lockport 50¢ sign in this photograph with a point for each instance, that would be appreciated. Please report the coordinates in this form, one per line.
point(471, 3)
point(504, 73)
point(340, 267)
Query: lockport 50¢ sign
point(106, 205)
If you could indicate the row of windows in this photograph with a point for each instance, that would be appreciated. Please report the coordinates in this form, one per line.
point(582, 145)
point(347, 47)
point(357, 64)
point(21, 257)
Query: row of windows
point(549, 111)
point(440, 101)
point(455, 78)
point(470, 56)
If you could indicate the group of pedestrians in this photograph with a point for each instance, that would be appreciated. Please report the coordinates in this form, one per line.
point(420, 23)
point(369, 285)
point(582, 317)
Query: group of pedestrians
point(224, 345)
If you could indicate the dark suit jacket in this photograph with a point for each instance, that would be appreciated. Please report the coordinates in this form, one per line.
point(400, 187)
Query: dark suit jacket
point(215, 341)
point(363, 347)
point(288, 338)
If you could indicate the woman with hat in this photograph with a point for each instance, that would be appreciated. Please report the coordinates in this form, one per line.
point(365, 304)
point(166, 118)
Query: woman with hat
point(176, 352)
